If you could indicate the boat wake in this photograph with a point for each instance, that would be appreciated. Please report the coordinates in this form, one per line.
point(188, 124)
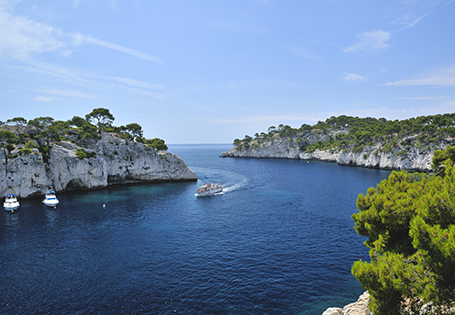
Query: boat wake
point(236, 186)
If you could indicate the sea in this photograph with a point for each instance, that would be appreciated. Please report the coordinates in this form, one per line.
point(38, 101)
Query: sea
point(278, 240)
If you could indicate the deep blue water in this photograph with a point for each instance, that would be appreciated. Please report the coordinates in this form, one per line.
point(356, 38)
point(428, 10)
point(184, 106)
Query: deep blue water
point(279, 240)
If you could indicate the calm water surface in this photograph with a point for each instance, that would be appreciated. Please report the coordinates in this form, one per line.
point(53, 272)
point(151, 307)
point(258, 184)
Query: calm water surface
point(279, 240)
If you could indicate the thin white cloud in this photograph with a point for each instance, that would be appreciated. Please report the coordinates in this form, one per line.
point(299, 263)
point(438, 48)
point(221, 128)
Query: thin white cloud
point(204, 108)
point(71, 93)
point(362, 94)
point(87, 79)
point(80, 39)
point(370, 42)
point(392, 113)
point(443, 107)
point(133, 85)
point(419, 98)
point(112, 4)
point(8, 4)
point(55, 72)
point(353, 77)
point(377, 40)
point(45, 98)
point(158, 96)
point(409, 20)
point(244, 28)
point(265, 83)
point(22, 38)
point(380, 111)
point(139, 84)
point(442, 78)
point(253, 119)
point(302, 52)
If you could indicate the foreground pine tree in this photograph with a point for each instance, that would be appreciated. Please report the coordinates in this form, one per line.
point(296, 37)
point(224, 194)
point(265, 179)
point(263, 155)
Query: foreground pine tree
point(409, 222)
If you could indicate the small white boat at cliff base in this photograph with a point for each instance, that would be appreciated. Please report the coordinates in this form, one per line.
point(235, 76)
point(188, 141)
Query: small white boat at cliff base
point(11, 203)
point(50, 199)
point(209, 190)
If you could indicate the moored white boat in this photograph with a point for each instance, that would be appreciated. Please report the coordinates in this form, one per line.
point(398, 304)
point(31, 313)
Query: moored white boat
point(11, 203)
point(209, 190)
point(50, 199)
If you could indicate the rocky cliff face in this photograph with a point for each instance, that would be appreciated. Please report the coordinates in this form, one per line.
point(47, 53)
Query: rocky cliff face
point(116, 162)
point(400, 158)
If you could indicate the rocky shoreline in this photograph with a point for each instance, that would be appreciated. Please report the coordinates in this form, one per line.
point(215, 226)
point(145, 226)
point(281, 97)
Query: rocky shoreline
point(366, 142)
point(113, 161)
point(360, 307)
point(411, 159)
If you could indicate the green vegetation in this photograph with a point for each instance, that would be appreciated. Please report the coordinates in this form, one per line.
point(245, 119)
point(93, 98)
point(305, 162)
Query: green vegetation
point(7, 138)
point(31, 145)
point(409, 222)
point(157, 144)
point(88, 132)
point(134, 130)
point(25, 151)
point(345, 133)
point(440, 156)
point(82, 154)
point(402, 153)
point(101, 117)
point(21, 136)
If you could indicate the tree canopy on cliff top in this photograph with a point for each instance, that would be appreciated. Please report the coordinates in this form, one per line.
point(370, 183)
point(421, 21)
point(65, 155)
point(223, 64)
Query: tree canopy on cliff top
point(45, 130)
point(409, 222)
point(101, 117)
point(359, 132)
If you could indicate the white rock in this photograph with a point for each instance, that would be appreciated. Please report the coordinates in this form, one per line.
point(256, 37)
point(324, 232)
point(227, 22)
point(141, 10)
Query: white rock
point(357, 308)
point(116, 162)
point(333, 311)
point(371, 157)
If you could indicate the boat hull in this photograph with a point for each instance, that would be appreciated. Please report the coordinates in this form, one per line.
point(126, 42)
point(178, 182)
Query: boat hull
point(209, 192)
point(11, 206)
point(50, 203)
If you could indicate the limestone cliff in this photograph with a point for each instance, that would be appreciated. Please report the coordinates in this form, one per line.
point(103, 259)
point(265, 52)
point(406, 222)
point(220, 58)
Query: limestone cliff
point(405, 156)
point(115, 161)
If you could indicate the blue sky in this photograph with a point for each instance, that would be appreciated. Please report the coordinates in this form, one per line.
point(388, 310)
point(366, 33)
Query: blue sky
point(194, 71)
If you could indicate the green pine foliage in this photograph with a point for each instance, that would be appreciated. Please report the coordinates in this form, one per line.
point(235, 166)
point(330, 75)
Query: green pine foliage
point(440, 156)
point(156, 143)
point(44, 132)
point(7, 138)
point(354, 133)
point(409, 222)
point(25, 151)
point(82, 154)
point(31, 145)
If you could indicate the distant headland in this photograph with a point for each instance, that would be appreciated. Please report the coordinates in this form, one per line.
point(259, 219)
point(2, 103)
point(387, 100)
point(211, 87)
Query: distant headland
point(81, 153)
point(368, 142)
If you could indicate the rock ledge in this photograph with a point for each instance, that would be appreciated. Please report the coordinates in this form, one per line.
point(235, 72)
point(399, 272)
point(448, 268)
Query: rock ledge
point(357, 308)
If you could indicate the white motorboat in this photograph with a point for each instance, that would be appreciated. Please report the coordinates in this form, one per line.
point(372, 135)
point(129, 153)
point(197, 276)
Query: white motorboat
point(11, 203)
point(209, 190)
point(50, 199)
